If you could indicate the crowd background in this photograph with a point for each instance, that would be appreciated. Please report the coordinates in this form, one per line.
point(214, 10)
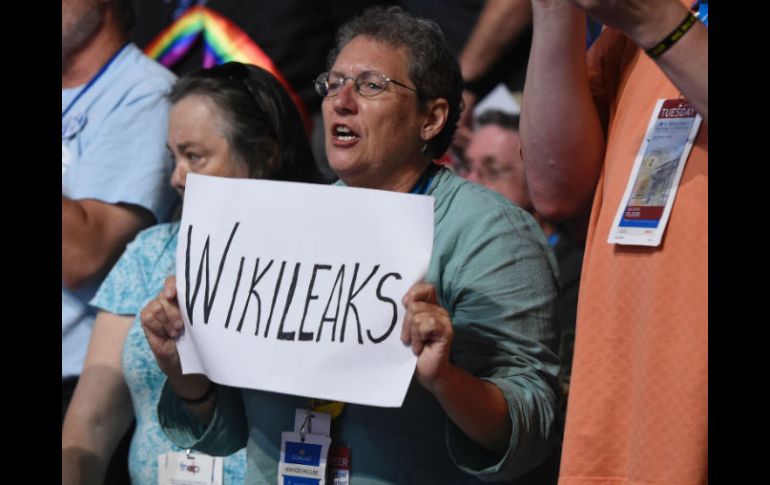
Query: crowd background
point(493, 42)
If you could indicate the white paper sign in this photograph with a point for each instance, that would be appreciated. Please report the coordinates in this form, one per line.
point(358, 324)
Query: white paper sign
point(296, 288)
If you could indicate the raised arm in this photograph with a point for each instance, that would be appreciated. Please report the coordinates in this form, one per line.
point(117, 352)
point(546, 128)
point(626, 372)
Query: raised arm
point(562, 138)
point(94, 234)
point(500, 23)
point(101, 409)
point(646, 23)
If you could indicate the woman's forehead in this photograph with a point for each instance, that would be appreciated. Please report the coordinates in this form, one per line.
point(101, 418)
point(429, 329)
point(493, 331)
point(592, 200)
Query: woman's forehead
point(366, 54)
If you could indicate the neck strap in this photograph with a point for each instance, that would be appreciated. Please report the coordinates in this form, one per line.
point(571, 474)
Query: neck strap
point(93, 80)
point(423, 183)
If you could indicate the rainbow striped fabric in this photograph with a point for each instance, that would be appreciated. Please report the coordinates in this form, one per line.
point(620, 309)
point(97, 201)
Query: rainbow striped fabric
point(223, 42)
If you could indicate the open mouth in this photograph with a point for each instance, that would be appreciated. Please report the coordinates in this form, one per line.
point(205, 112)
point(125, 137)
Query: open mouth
point(343, 133)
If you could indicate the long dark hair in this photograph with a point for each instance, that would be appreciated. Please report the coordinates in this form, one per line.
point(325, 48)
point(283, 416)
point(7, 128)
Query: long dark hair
point(263, 127)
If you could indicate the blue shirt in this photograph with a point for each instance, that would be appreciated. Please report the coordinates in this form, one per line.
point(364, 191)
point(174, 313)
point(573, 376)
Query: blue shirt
point(114, 151)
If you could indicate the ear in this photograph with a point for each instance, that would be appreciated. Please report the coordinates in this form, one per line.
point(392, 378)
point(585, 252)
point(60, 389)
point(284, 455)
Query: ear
point(436, 114)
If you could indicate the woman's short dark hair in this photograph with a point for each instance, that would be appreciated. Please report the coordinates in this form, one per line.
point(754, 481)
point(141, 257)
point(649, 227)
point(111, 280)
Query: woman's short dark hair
point(432, 67)
point(262, 124)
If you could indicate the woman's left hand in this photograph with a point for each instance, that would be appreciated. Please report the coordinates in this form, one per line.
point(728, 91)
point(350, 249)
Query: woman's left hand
point(477, 407)
point(428, 328)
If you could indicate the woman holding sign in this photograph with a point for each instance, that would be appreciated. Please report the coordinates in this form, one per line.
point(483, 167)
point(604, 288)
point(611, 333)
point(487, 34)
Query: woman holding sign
point(233, 120)
point(483, 401)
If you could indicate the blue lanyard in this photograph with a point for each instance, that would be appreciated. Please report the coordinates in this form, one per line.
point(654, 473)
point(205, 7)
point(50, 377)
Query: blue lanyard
point(92, 81)
point(423, 183)
point(553, 239)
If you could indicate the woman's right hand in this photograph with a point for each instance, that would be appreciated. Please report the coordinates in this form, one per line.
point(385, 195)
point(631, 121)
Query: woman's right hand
point(162, 324)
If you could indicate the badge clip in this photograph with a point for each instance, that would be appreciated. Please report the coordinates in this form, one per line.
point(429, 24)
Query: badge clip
point(307, 425)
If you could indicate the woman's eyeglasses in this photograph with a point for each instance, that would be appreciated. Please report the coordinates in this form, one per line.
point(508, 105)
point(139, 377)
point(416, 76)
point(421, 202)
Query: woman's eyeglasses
point(367, 83)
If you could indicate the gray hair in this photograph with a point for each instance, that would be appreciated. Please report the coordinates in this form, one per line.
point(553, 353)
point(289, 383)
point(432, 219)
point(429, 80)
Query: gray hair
point(432, 67)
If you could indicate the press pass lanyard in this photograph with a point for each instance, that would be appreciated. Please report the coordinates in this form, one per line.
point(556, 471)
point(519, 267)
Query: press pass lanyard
point(92, 81)
point(423, 183)
point(307, 454)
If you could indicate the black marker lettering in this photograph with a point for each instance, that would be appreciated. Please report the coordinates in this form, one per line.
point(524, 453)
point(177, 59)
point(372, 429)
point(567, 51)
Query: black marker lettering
point(352, 294)
point(341, 280)
point(235, 292)
point(254, 282)
point(393, 304)
point(281, 334)
point(208, 301)
point(275, 297)
point(310, 296)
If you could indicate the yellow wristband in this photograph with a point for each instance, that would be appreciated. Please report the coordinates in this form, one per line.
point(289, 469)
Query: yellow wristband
point(673, 37)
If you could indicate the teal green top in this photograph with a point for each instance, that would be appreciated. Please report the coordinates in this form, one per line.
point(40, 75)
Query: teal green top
point(495, 273)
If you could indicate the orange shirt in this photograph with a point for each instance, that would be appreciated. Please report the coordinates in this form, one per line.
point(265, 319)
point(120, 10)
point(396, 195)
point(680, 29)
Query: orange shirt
point(638, 409)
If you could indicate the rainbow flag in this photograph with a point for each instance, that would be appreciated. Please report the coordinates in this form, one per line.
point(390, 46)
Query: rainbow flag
point(223, 42)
